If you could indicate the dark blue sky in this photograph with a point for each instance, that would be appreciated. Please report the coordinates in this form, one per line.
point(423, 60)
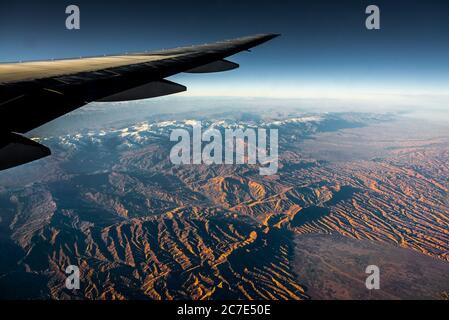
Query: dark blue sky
point(324, 45)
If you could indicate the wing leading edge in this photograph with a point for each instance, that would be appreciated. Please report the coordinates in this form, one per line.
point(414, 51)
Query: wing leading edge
point(34, 93)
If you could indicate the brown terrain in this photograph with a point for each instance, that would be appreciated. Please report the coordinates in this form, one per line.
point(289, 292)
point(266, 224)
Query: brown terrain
point(141, 228)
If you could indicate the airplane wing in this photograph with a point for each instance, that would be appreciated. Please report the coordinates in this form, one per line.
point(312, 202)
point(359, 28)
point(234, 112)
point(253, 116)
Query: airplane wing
point(34, 93)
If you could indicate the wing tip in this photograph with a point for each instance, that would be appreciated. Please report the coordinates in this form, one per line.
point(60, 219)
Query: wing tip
point(269, 35)
point(264, 37)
